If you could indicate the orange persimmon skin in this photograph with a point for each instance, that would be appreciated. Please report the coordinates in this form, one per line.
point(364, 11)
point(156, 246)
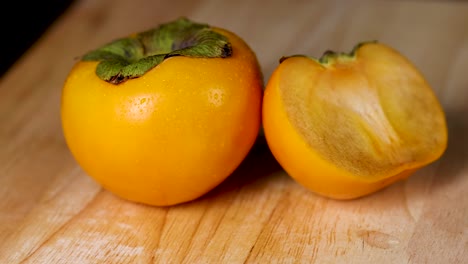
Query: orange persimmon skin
point(305, 163)
point(171, 135)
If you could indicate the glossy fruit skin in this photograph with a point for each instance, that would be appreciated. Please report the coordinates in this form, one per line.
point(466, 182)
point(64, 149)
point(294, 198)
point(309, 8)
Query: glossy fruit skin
point(305, 165)
point(171, 135)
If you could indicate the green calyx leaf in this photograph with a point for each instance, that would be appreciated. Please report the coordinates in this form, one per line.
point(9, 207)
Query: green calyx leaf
point(132, 57)
point(330, 56)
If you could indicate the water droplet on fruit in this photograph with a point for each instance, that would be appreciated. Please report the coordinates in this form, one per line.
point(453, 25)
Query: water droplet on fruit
point(137, 108)
point(216, 97)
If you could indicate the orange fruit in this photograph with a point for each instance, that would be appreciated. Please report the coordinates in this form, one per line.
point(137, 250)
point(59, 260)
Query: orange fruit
point(173, 133)
point(348, 125)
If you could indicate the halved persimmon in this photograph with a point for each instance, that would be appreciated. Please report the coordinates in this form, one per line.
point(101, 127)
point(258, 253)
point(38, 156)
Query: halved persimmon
point(349, 124)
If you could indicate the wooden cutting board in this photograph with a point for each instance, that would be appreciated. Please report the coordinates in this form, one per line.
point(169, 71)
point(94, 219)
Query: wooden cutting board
point(52, 212)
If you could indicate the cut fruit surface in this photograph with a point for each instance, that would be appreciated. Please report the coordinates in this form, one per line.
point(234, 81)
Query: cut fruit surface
point(368, 117)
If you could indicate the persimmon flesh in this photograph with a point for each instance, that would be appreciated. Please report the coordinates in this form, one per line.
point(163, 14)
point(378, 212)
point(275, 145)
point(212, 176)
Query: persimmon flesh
point(348, 125)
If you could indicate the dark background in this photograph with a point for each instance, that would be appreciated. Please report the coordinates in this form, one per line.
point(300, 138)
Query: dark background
point(22, 23)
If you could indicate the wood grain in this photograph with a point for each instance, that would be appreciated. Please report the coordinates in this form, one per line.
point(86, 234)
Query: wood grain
point(52, 212)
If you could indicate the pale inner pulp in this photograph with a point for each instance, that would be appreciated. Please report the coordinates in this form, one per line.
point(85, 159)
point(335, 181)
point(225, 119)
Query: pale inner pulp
point(372, 119)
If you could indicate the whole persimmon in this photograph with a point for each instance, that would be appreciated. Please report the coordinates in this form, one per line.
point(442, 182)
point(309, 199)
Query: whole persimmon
point(163, 116)
point(349, 124)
